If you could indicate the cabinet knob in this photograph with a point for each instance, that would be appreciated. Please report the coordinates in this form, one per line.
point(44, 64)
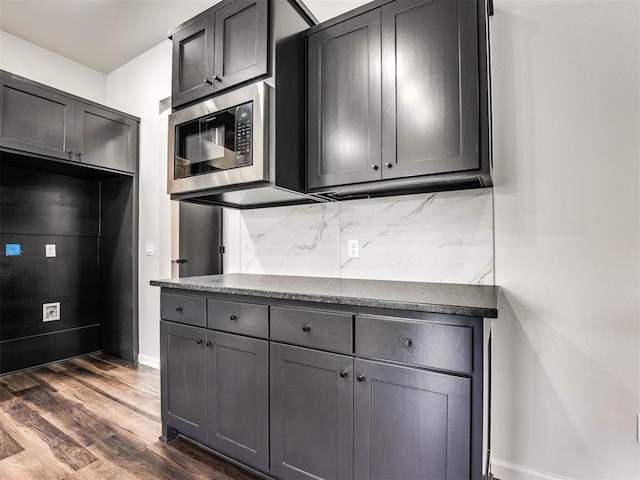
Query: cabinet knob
point(70, 152)
point(374, 166)
point(209, 343)
point(344, 374)
point(408, 342)
point(306, 328)
point(215, 77)
point(79, 155)
point(207, 81)
point(388, 164)
point(360, 378)
point(178, 309)
point(200, 341)
point(233, 317)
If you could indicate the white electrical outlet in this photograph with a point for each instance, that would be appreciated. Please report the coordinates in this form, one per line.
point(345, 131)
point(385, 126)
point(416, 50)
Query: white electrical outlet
point(50, 250)
point(50, 311)
point(353, 249)
point(149, 250)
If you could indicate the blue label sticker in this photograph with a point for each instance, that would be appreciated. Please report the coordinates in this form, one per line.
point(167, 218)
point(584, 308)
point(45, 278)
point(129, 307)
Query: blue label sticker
point(13, 249)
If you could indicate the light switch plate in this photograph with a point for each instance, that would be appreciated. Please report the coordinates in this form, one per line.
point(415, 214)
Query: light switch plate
point(50, 250)
point(50, 311)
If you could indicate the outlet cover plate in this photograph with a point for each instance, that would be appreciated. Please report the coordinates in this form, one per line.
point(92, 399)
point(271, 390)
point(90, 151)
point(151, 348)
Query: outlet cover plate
point(50, 250)
point(353, 249)
point(50, 311)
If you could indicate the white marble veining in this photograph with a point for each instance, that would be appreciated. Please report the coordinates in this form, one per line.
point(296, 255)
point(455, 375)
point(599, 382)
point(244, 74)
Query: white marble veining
point(437, 237)
point(298, 240)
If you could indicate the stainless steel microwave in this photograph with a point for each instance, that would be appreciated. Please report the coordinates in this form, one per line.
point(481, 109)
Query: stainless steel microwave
point(220, 142)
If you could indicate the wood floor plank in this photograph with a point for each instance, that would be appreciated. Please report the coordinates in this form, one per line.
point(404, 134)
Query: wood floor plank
point(70, 416)
point(121, 416)
point(99, 470)
point(112, 388)
point(25, 465)
point(18, 381)
point(64, 448)
point(205, 467)
point(8, 445)
point(5, 394)
point(139, 377)
point(55, 380)
point(97, 362)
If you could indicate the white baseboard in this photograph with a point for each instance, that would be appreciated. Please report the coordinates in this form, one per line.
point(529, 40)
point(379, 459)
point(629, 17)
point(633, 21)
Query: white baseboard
point(510, 471)
point(149, 361)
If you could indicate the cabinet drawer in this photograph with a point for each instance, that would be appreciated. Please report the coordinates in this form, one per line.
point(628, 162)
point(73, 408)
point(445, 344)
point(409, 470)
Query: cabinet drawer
point(313, 328)
point(428, 344)
point(237, 317)
point(184, 309)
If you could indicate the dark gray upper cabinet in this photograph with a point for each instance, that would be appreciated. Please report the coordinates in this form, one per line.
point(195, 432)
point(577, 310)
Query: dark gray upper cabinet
point(36, 120)
point(429, 87)
point(39, 120)
point(225, 46)
point(427, 413)
point(192, 62)
point(105, 139)
point(344, 102)
point(398, 98)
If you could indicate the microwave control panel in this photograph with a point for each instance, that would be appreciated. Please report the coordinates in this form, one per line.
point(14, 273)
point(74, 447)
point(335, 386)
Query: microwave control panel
point(244, 116)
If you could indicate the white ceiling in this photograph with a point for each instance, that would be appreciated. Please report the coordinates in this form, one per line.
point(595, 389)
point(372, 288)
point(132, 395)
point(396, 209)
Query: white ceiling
point(106, 34)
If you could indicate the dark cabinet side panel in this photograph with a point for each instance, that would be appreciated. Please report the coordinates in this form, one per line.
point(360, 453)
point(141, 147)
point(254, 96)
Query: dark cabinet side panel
point(426, 413)
point(429, 87)
point(344, 102)
point(35, 120)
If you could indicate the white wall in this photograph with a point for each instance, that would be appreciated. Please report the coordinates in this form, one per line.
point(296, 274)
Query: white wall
point(567, 237)
point(28, 60)
point(137, 88)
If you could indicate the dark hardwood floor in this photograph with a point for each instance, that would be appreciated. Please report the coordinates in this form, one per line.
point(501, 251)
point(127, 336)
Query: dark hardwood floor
point(94, 418)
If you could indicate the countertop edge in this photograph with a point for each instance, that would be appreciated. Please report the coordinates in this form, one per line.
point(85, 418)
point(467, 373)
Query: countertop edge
point(426, 307)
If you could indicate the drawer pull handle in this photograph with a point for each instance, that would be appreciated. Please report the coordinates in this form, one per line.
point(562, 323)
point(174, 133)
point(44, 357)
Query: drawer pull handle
point(233, 317)
point(344, 374)
point(306, 328)
point(360, 378)
point(178, 309)
point(408, 343)
point(209, 343)
point(200, 341)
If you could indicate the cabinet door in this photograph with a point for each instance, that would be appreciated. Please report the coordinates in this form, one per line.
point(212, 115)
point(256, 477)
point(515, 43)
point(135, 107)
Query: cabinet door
point(239, 398)
point(430, 121)
point(311, 414)
point(410, 424)
point(191, 73)
point(36, 120)
point(241, 42)
point(105, 139)
point(183, 357)
point(344, 102)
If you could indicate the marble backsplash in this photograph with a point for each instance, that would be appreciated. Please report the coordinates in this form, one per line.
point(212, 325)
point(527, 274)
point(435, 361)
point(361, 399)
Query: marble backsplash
point(434, 237)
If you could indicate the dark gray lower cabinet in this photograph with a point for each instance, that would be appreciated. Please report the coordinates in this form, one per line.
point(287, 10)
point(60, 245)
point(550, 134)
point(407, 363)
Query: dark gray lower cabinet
point(311, 413)
point(184, 378)
point(239, 398)
point(410, 424)
point(215, 390)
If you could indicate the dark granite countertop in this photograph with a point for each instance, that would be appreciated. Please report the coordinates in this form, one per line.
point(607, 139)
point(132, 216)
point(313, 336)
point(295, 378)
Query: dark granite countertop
point(456, 299)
